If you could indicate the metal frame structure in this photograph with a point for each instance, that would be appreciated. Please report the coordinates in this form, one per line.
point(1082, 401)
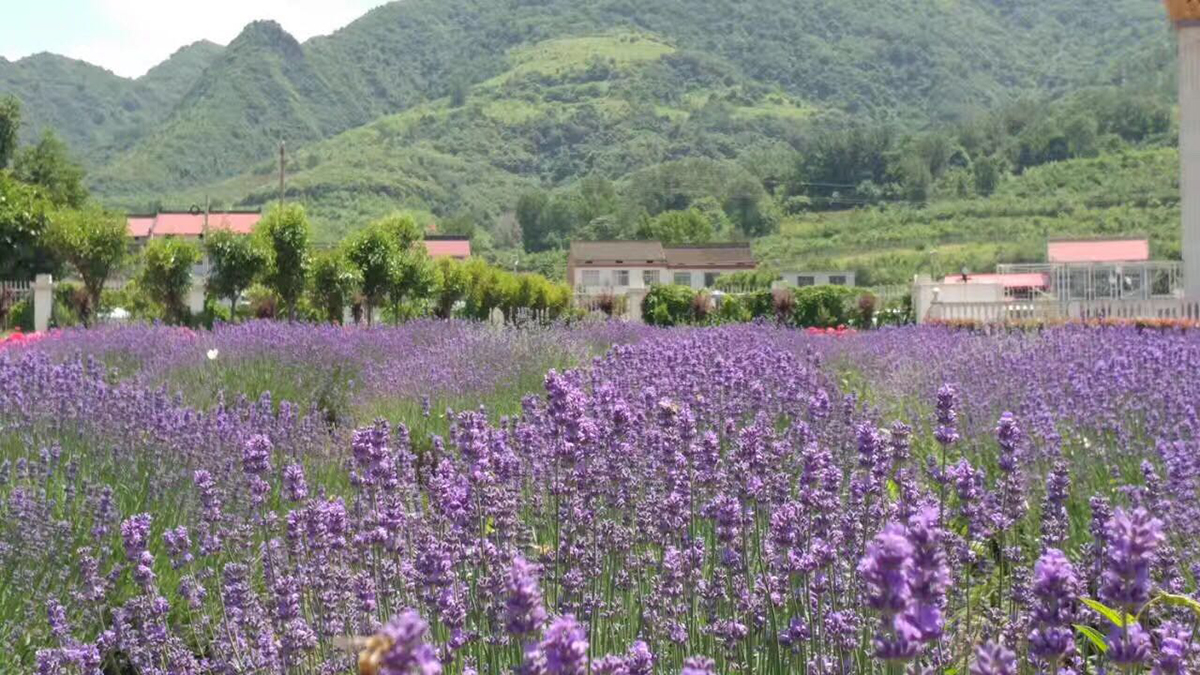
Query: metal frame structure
point(1086, 282)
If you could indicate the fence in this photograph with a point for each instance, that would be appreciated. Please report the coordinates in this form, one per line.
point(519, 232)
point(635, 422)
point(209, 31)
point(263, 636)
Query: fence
point(40, 292)
point(1050, 310)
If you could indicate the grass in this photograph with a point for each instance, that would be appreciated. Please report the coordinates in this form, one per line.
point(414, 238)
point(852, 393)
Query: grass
point(566, 55)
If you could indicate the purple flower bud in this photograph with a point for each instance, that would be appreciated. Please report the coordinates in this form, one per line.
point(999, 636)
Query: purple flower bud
point(409, 653)
point(993, 658)
point(523, 610)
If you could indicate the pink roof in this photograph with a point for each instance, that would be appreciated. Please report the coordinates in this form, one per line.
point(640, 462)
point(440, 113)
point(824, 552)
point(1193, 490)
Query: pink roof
point(448, 248)
point(189, 225)
point(1028, 280)
point(140, 227)
point(1108, 250)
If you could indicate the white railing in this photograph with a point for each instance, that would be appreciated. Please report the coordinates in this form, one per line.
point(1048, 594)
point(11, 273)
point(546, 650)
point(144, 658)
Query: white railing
point(1049, 310)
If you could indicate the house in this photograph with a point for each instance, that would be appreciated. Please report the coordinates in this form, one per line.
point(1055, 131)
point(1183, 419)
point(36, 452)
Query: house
point(448, 246)
point(843, 278)
point(190, 225)
point(619, 267)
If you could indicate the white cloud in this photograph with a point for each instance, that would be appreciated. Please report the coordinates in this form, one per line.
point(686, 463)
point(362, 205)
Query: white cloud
point(142, 33)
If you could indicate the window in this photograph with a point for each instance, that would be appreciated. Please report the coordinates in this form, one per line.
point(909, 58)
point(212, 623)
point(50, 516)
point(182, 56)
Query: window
point(710, 278)
point(806, 281)
point(591, 278)
point(622, 278)
point(650, 278)
point(837, 280)
point(683, 278)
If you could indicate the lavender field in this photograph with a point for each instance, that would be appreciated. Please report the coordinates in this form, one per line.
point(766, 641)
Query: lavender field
point(605, 499)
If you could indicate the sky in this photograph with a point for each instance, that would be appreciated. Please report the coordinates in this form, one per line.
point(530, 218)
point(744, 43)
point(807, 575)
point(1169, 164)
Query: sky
point(129, 37)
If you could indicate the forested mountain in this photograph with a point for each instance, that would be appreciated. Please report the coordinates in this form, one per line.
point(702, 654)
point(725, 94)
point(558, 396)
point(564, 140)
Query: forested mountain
point(96, 112)
point(460, 106)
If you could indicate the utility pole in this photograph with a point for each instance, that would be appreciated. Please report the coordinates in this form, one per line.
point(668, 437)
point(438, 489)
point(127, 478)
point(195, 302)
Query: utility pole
point(282, 170)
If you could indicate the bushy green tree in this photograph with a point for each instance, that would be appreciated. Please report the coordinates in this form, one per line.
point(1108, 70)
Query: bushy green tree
point(24, 215)
point(334, 283)
point(668, 306)
point(413, 278)
point(94, 242)
point(10, 124)
point(372, 252)
point(451, 285)
point(49, 165)
point(284, 235)
point(236, 261)
point(166, 275)
point(678, 227)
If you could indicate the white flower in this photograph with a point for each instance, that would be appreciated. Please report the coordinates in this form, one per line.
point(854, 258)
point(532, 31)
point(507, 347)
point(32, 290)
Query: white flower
point(212, 354)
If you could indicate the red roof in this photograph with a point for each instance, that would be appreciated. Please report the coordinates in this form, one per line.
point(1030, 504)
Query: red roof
point(191, 225)
point(1028, 280)
point(140, 226)
point(448, 248)
point(1099, 250)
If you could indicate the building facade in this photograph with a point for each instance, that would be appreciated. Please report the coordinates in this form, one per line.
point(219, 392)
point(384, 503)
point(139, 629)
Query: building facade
point(801, 279)
point(622, 267)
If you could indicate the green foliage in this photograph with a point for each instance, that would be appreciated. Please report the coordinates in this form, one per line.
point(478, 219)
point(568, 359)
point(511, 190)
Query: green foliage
point(823, 306)
point(166, 275)
point(678, 227)
point(285, 239)
point(10, 123)
point(236, 261)
point(732, 309)
point(49, 166)
point(94, 242)
point(23, 222)
point(372, 251)
point(668, 305)
point(749, 280)
point(451, 280)
point(333, 285)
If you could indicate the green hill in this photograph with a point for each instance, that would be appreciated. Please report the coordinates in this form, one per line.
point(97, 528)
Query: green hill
point(96, 112)
point(765, 114)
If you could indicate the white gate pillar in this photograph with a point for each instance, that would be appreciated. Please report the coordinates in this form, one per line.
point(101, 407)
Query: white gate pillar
point(43, 302)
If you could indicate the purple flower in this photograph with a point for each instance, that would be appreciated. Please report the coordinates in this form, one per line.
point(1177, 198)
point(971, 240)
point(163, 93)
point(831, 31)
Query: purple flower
point(1056, 593)
point(294, 485)
point(524, 613)
point(256, 455)
point(409, 653)
point(564, 647)
point(1132, 540)
point(946, 433)
point(929, 575)
point(699, 665)
point(886, 570)
point(135, 534)
point(993, 658)
point(1128, 646)
point(1008, 435)
point(1175, 643)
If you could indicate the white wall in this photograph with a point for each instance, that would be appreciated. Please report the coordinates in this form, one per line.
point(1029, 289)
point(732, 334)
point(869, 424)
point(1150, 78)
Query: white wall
point(819, 278)
point(608, 277)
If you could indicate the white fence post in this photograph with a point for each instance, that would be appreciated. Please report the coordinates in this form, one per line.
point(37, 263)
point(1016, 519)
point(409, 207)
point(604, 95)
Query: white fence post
point(43, 302)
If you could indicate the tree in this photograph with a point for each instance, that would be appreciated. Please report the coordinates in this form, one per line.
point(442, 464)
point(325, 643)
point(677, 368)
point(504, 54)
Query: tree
point(372, 252)
point(49, 165)
point(94, 242)
point(23, 223)
point(402, 228)
point(334, 282)
point(678, 227)
point(988, 171)
point(450, 286)
point(235, 263)
point(529, 216)
point(10, 124)
point(413, 277)
point(285, 237)
point(166, 275)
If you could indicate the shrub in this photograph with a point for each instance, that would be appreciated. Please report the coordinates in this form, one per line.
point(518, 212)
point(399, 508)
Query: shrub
point(733, 309)
point(822, 306)
point(668, 306)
